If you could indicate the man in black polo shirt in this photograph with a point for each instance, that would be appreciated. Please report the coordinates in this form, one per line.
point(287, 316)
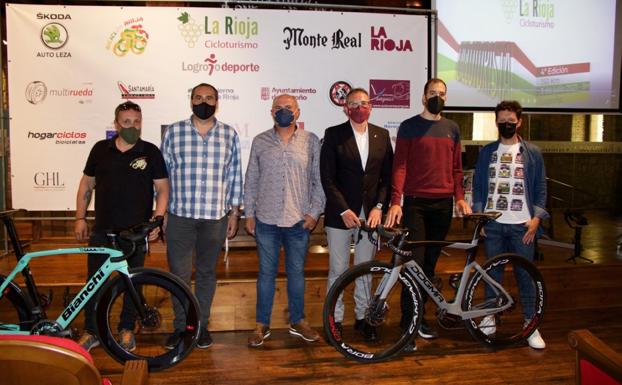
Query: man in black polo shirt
point(126, 170)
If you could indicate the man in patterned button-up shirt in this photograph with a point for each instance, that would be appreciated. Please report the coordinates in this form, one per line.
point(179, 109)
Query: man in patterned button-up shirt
point(202, 156)
point(283, 199)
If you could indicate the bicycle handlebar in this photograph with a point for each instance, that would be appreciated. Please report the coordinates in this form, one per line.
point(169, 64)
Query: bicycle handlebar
point(141, 230)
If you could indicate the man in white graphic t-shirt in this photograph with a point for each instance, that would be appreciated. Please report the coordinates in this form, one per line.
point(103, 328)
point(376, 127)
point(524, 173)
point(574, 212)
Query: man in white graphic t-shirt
point(510, 178)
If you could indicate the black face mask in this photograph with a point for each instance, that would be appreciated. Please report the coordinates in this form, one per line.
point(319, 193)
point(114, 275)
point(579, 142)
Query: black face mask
point(435, 105)
point(203, 111)
point(507, 129)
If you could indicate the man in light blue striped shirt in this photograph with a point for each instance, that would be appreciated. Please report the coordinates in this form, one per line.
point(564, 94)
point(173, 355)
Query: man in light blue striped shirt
point(202, 156)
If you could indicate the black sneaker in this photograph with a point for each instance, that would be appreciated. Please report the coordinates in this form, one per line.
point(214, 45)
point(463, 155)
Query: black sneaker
point(173, 340)
point(366, 330)
point(426, 331)
point(410, 347)
point(205, 340)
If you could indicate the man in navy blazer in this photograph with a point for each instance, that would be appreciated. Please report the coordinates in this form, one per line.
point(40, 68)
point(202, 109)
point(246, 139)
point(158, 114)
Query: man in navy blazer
point(355, 167)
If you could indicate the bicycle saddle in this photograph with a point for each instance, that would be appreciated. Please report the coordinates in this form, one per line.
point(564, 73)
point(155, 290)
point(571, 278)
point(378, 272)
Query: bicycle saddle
point(484, 217)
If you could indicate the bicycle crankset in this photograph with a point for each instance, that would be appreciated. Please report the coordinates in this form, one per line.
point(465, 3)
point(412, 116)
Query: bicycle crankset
point(448, 321)
point(50, 328)
point(152, 319)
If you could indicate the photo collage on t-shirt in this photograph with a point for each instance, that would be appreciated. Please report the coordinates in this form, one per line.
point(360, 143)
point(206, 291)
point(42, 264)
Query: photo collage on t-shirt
point(506, 176)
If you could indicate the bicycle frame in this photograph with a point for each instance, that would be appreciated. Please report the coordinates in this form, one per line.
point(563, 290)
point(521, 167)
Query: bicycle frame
point(113, 263)
point(416, 274)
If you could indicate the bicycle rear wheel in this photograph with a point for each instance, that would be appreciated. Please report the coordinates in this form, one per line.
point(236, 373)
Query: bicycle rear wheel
point(385, 316)
point(157, 289)
point(524, 283)
point(15, 309)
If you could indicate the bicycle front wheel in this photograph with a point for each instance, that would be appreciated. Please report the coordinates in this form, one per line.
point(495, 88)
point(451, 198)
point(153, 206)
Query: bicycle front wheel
point(352, 307)
point(157, 289)
point(15, 309)
point(522, 280)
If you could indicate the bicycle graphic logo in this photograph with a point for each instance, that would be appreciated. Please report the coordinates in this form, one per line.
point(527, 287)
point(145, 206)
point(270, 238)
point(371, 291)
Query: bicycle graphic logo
point(132, 39)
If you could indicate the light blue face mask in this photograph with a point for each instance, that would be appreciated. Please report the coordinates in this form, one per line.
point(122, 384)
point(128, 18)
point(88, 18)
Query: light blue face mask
point(284, 117)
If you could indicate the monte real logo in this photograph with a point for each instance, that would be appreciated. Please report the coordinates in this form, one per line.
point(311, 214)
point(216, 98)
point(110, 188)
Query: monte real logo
point(211, 65)
point(130, 91)
point(129, 37)
point(298, 37)
point(389, 93)
point(48, 181)
point(54, 35)
point(37, 91)
point(381, 42)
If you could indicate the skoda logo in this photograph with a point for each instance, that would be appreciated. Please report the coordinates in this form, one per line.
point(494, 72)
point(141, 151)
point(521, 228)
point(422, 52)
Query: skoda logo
point(54, 35)
point(36, 92)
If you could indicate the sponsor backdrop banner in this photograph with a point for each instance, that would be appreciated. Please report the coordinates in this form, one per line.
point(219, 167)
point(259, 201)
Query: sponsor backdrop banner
point(69, 66)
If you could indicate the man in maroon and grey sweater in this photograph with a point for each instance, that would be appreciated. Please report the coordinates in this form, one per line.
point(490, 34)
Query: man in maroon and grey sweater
point(427, 176)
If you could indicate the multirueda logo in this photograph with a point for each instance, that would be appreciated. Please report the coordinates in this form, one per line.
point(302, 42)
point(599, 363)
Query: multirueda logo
point(36, 92)
point(130, 37)
point(380, 41)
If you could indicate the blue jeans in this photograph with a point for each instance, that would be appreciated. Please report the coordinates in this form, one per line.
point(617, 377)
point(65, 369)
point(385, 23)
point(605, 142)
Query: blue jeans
point(508, 238)
point(295, 241)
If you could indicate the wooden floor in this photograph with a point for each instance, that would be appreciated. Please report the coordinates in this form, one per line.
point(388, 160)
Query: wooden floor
point(581, 295)
point(454, 358)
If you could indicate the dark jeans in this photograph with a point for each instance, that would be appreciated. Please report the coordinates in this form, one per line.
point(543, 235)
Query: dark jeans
point(94, 262)
point(426, 219)
point(206, 237)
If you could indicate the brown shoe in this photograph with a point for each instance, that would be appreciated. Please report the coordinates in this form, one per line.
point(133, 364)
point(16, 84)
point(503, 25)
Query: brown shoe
point(261, 333)
point(304, 331)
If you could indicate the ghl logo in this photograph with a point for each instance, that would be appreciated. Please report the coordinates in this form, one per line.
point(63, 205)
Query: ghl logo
point(48, 181)
point(380, 41)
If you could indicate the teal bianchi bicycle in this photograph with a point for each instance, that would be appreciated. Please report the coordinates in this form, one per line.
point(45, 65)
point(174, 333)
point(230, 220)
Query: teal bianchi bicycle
point(152, 292)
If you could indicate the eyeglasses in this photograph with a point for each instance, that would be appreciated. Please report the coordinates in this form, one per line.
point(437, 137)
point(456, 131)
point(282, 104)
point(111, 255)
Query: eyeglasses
point(127, 106)
point(363, 103)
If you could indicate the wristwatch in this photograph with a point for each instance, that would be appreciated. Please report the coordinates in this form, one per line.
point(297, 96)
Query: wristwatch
point(379, 206)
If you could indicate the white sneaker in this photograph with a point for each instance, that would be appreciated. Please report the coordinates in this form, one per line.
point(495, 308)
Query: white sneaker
point(488, 325)
point(535, 340)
